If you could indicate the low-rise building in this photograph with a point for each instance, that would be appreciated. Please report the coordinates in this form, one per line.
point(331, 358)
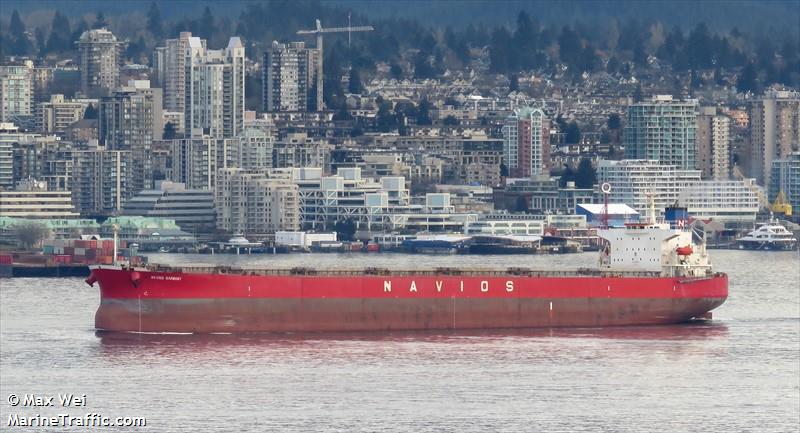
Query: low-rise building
point(633, 181)
point(191, 209)
point(31, 199)
point(721, 200)
point(58, 114)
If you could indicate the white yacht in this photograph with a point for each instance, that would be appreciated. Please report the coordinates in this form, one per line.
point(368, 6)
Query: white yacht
point(770, 236)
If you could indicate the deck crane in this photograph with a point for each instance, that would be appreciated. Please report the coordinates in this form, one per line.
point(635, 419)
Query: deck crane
point(319, 31)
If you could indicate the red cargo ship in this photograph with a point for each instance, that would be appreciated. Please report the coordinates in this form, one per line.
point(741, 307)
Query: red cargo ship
point(648, 274)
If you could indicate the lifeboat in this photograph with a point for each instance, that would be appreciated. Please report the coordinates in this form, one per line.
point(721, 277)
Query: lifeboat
point(684, 251)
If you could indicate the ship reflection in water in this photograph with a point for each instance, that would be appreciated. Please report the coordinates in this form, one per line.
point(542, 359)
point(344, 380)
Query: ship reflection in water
point(122, 343)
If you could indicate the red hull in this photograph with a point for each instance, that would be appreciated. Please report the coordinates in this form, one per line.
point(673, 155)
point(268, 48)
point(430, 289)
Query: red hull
point(184, 302)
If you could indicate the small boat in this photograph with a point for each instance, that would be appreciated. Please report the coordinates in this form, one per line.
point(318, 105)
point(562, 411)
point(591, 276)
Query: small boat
point(769, 236)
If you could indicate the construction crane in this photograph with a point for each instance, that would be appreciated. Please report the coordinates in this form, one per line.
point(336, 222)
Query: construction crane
point(781, 205)
point(319, 31)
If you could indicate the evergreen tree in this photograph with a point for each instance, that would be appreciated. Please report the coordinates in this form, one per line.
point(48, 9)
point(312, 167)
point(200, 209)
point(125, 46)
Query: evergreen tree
point(513, 83)
point(499, 55)
point(206, 30)
point(572, 134)
point(396, 71)
point(90, 113)
point(154, 25)
point(746, 82)
point(450, 121)
point(78, 30)
point(613, 66)
point(385, 120)
point(424, 112)
point(569, 46)
point(170, 132)
point(354, 85)
point(586, 176)
point(18, 39)
point(422, 67)
point(700, 50)
point(614, 122)
point(60, 34)
point(41, 42)
point(99, 21)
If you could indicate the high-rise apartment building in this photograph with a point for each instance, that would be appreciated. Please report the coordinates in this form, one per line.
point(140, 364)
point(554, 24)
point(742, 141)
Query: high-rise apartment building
point(101, 180)
point(16, 91)
point(774, 131)
point(526, 143)
point(290, 78)
point(713, 144)
point(662, 129)
point(251, 150)
point(130, 119)
point(214, 91)
point(169, 68)
point(785, 177)
point(196, 159)
point(255, 205)
point(99, 54)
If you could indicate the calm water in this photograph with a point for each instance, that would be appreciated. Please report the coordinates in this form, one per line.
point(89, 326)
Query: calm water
point(739, 373)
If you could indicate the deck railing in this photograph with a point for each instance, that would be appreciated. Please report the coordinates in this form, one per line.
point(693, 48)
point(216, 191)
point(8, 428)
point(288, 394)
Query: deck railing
point(372, 271)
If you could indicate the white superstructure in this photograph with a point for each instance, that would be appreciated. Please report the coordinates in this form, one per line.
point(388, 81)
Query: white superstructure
point(654, 247)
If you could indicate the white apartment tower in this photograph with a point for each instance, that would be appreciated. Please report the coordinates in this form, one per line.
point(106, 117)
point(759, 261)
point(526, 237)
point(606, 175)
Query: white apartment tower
point(214, 91)
point(99, 54)
point(662, 129)
point(16, 91)
point(633, 181)
point(169, 67)
point(290, 78)
point(713, 144)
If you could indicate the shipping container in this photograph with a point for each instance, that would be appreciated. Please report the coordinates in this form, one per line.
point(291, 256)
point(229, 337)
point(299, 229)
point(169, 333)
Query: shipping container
point(69, 251)
point(63, 259)
point(79, 251)
point(6, 259)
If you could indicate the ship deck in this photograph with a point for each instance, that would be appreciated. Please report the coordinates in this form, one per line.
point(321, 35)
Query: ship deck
point(372, 271)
